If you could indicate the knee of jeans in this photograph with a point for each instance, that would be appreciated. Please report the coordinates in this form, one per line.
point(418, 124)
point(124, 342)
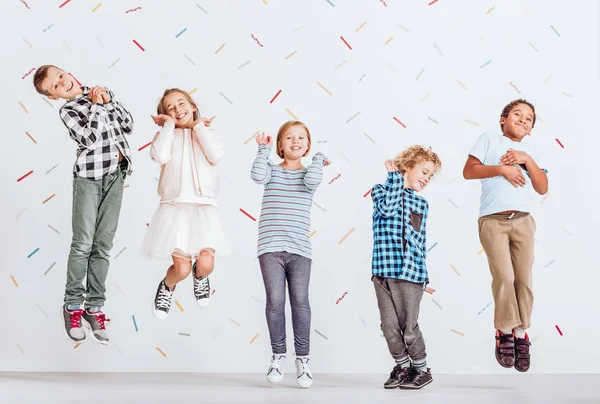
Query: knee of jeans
point(504, 278)
point(276, 301)
point(81, 247)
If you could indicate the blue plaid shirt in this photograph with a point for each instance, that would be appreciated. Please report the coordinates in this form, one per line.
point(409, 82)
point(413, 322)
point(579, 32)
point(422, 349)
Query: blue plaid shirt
point(399, 241)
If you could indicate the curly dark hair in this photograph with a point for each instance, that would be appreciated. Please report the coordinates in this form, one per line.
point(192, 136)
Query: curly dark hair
point(511, 105)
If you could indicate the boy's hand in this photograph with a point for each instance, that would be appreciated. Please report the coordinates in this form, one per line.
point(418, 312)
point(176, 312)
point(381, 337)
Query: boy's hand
point(105, 96)
point(430, 290)
point(390, 166)
point(95, 95)
point(160, 120)
point(261, 138)
point(207, 122)
point(514, 175)
point(513, 156)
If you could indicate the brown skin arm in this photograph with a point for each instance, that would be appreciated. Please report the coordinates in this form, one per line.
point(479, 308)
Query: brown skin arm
point(539, 179)
point(474, 170)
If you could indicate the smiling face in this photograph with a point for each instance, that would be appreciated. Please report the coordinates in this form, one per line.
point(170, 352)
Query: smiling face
point(59, 84)
point(418, 177)
point(293, 143)
point(179, 107)
point(518, 122)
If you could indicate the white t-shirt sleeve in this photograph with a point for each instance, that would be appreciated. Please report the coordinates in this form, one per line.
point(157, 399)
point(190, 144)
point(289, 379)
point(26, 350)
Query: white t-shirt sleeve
point(481, 147)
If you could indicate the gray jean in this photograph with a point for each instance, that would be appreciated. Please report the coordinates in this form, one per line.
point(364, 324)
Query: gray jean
point(276, 268)
point(399, 302)
point(96, 208)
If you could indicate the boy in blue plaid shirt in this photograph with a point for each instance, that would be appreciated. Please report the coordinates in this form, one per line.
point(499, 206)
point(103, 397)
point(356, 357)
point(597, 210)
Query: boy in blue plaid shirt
point(399, 272)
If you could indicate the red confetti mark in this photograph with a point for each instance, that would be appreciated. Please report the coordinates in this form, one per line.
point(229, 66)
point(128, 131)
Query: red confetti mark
point(384, 3)
point(347, 44)
point(515, 87)
point(338, 300)
point(247, 214)
point(559, 331)
point(560, 144)
point(335, 178)
point(139, 46)
point(257, 41)
point(434, 1)
point(213, 292)
point(25, 176)
point(28, 73)
point(275, 96)
point(397, 120)
point(26, 5)
point(368, 192)
point(132, 10)
point(75, 79)
point(64, 3)
point(144, 146)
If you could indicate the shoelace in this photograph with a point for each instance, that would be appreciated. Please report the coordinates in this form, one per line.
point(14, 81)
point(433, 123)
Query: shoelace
point(305, 369)
point(201, 286)
point(164, 298)
point(75, 318)
point(275, 363)
point(101, 319)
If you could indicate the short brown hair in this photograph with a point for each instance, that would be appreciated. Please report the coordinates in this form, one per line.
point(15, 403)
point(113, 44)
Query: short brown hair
point(40, 75)
point(161, 110)
point(414, 155)
point(511, 105)
point(284, 128)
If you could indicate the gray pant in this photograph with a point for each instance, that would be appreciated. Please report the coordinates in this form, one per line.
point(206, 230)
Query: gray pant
point(96, 208)
point(399, 303)
point(276, 267)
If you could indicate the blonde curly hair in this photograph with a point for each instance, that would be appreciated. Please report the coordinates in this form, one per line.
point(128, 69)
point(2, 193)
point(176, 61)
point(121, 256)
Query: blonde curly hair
point(414, 155)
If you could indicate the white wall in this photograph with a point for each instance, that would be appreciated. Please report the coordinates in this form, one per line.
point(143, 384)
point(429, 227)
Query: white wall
point(409, 78)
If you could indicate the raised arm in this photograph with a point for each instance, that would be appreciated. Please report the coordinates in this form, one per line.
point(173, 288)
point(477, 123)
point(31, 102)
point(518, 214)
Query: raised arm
point(210, 142)
point(261, 167)
point(387, 197)
point(314, 172)
point(160, 150)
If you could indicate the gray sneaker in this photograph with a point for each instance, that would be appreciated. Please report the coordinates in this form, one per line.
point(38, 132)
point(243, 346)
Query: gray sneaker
point(95, 323)
point(73, 326)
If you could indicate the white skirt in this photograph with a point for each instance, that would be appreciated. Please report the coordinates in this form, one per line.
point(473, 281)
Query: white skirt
point(183, 230)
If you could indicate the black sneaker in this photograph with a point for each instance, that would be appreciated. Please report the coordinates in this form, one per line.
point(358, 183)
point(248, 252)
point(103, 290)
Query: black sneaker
point(162, 301)
point(201, 289)
point(505, 349)
point(417, 380)
point(522, 357)
point(399, 375)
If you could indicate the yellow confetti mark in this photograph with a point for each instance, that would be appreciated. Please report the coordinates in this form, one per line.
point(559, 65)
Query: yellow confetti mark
point(457, 332)
point(490, 10)
point(254, 339)
point(326, 90)
point(161, 352)
point(389, 40)
point(23, 106)
point(219, 50)
point(178, 305)
point(480, 251)
point(14, 281)
point(50, 197)
point(251, 137)
point(346, 236)
point(31, 137)
point(313, 233)
point(77, 345)
point(126, 186)
point(361, 26)
point(193, 91)
point(265, 1)
point(97, 7)
point(455, 270)
point(291, 54)
point(293, 116)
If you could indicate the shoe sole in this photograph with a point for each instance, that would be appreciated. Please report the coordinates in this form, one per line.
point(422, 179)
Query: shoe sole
point(275, 380)
point(391, 387)
point(408, 387)
point(521, 370)
point(203, 305)
point(154, 313)
point(88, 327)
point(67, 334)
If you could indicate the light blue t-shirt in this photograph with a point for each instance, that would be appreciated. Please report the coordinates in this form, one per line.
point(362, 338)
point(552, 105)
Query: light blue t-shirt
point(497, 194)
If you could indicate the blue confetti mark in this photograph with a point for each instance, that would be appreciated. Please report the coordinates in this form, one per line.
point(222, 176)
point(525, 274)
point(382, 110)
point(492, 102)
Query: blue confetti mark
point(419, 76)
point(485, 64)
point(49, 26)
point(431, 248)
point(533, 46)
point(134, 323)
point(370, 138)
point(114, 63)
point(361, 77)
point(321, 334)
point(437, 304)
point(554, 29)
point(550, 263)
point(188, 58)
point(432, 120)
point(455, 205)
point(228, 100)
point(438, 49)
point(34, 251)
point(181, 32)
point(47, 102)
point(485, 308)
point(332, 5)
point(353, 116)
point(198, 5)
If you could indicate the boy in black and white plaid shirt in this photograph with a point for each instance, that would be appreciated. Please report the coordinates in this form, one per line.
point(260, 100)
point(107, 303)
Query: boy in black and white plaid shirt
point(98, 122)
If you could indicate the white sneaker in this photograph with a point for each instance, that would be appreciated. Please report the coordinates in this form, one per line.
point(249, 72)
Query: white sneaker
point(276, 368)
point(303, 375)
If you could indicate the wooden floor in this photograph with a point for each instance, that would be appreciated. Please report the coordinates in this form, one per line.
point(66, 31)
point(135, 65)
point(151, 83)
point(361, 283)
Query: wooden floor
point(150, 388)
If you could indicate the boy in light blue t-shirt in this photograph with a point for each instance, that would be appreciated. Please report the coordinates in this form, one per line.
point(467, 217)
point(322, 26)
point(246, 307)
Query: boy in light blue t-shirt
point(509, 176)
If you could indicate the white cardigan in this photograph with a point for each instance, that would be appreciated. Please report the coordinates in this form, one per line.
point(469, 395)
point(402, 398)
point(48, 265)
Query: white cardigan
point(205, 153)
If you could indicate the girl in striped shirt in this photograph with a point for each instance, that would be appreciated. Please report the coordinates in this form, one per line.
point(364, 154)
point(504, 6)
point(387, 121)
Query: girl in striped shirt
point(284, 248)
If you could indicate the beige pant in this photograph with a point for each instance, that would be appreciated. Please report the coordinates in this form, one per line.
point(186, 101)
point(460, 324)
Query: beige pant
point(508, 244)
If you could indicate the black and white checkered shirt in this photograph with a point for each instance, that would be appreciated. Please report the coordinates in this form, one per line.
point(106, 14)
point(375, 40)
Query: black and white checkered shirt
point(99, 131)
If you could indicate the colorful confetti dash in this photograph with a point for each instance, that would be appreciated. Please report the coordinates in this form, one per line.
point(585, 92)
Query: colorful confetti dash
point(471, 122)
point(480, 251)
point(257, 41)
point(14, 281)
point(274, 97)
point(31, 137)
point(433, 2)
point(114, 63)
point(198, 5)
point(321, 334)
point(25, 176)
point(219, 49)
point(138, 45)
point(48, 270)
point(559, 331)
point(490, 10)
point(251, 137)
point(360, 27)
point(185, 334)
point(346, 236)
point(362, 321)
point(50, 197)
point(420, 73)
point(134, 322)
point(455, 270)
point(20, 349)
point(431, 248)
point(433, 120)
point(234, 322)
point(353, 116)
point(291, 54)
point(247, 214)
point(370, 138)
point(23, 106)
point(244, 64)
point(25, 40)
point(325, 89)
point(144, 146)
point(438, 49)
point(313, 233)
point(452, 202)
point(461, 84)
point(228, 100)
point(367, 193)
point(533, 46)
point(179, 305)
point(347, 44)
point(341, 298)
point(397, 120)
point(161, 352)
point(485, 64)
point(96, 8)
point(330, 3)
point(61, 6)
point(180, 32)
point(437, 304)
point(42, 310)
point(291, 114)
point(554, 29)
point(389, 40)
point(33, 252)
point(485, 308)
point(77, 345)
point(559, 143)
point(340, 65)
point(120, 252)
point(550, 263)
point(457, 332)
point(254, 339)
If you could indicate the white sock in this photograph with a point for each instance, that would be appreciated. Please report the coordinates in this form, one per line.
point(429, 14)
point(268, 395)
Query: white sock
point(506, 331)
point(519, 332)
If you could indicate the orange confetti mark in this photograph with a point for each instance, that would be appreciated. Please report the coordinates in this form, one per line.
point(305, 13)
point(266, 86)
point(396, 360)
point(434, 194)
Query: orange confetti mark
point(126, 186)
point(361, 26)
point(293, 116)
point(490, 10)
point(313, 233)
point(31, 137)
point(219, 50)
point(389, 40)
point(96, 8)
point(77, 345)
point(14, 281)
point(23, 106)
point(161, 352)
point(193, 91)
point(346, 236)
point(455, 270)
point(323, 87)
point(178, 305)
point(254, 339)
point(50, 197)
point(480, 251)
point(291, 54)
point(457, 332)
point(265, 1)
point(251, 137)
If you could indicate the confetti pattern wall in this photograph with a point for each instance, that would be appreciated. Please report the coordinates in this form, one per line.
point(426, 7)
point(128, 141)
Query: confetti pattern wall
point(369, 78)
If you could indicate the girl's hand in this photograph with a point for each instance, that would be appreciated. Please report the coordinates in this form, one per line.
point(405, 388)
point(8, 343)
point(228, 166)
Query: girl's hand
point(160, 120)
point(206, 121)
point(430, 290)
point(261, 138)
point(390, 166)
point(326, 162)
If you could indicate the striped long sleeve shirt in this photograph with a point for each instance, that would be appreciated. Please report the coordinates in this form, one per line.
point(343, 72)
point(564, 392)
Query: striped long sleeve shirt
point(284, 223)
